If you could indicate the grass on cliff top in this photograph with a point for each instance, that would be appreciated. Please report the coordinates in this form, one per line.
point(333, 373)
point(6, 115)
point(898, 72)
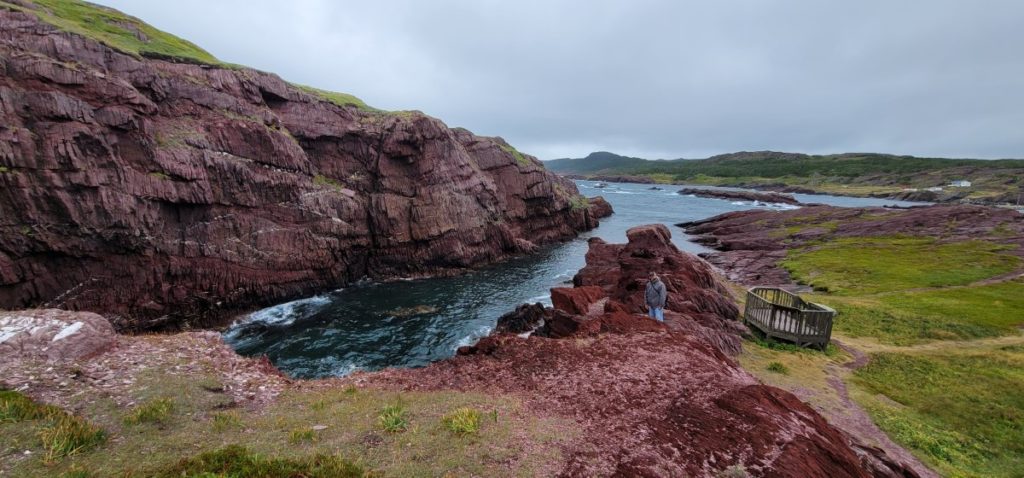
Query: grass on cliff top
point(862, 265)
point(135, 37)
point(304, 433)
point(340, 99)
point(962, 411)
point(116, 30)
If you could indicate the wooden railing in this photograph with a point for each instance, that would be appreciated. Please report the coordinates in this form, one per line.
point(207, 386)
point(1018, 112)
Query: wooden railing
point(781, 314)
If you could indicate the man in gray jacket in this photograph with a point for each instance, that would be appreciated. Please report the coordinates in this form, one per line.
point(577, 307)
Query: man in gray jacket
point(655, 295)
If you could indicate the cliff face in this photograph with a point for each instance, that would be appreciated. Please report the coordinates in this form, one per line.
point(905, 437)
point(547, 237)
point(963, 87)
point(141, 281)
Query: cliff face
point(175, 193)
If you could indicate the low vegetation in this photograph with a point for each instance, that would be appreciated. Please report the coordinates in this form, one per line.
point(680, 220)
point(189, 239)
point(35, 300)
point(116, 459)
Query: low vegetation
point(963, 411)
point(235, 460)
point(392, 419)
point(462, 420)
point(871, 265)
point(940, 322)
point(157, 410)
point(115, 29)
point(60, 434)
point(340, 99)
point(522, 160)
point(303, 433)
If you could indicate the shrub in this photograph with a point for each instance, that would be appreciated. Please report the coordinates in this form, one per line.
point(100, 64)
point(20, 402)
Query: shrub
point(463, 420)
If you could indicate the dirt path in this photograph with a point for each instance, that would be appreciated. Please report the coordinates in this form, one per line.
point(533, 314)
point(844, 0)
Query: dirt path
point(856, 421)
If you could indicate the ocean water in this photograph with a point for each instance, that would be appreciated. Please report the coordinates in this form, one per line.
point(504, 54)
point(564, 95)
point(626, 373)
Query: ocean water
point(370, 326)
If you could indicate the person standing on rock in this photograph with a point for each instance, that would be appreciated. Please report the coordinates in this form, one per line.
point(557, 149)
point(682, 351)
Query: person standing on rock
point(655, 295)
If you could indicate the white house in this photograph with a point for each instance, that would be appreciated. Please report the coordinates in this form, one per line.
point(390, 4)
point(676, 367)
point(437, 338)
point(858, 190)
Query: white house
point(960, 183)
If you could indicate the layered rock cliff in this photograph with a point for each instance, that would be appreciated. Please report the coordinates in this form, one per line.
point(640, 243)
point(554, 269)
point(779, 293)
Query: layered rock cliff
point(169, 193)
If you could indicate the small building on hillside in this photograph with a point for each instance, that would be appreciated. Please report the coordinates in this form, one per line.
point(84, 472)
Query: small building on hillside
point(960, 183)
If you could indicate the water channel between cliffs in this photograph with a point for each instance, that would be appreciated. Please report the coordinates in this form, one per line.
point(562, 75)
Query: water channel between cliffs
point(412, 323)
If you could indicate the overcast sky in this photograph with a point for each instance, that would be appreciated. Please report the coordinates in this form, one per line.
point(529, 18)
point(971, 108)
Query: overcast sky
point(655, 79)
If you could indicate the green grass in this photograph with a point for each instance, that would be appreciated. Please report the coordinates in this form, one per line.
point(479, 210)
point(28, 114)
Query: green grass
point(157, 410)
point(777, 367)
point(69, 435)
point(238, 461)
point(321, 180)
point(226, 421)
point(4, 169)
point(116, 30)
point(352, 430)
point(301, 435)
point(392, 419)
point(522, 160)
point(340, 99)
point(462, 420)
point(578, 202)
point(963, 411)
point(857, 266)
point(60, 434)
point(944, 314)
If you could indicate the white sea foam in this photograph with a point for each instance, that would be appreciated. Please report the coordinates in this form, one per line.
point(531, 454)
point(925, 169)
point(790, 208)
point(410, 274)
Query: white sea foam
point(285, 314)
point(473, 337)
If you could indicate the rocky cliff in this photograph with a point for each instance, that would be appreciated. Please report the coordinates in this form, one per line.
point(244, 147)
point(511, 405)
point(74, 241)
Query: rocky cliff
point(170, 191)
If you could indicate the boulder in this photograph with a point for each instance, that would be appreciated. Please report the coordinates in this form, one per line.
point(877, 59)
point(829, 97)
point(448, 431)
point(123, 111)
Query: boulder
point(52, 335)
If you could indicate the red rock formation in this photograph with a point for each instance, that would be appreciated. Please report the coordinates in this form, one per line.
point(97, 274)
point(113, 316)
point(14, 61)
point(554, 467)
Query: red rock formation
point(750, 244)
point(172, 194)
point(652, 399)
point(777, 198)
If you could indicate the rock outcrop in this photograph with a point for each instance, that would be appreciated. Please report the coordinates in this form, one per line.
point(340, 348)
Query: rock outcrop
point(653, 399)
point(167, 194)
point(750, 244)
point(753, 196)
point(52, 335)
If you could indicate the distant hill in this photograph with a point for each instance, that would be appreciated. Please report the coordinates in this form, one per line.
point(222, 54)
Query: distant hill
point(769, 164)
point(597, 162)
point(852, 174)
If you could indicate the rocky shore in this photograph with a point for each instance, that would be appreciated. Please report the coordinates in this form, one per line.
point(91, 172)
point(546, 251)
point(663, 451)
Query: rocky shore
point(168, 193)
point(749, 247)
point(650, 399)
point(772, 198)
point(654, 399)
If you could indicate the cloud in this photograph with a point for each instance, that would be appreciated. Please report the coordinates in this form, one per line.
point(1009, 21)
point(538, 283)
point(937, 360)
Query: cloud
point(651, 78)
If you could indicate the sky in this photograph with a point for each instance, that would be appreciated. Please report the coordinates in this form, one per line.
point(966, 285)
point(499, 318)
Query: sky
point(652, 79)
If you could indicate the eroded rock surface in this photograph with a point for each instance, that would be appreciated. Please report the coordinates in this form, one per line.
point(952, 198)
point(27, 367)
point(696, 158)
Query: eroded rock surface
point(171, 194)
point(653, 399)
point(753, 196)
point(52, 335)
point(751, 244)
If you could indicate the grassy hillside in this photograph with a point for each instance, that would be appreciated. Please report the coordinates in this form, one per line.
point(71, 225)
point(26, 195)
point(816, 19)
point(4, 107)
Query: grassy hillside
point(770, 164)
point(137, 38)
point(853, 174)
point(939, 321)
